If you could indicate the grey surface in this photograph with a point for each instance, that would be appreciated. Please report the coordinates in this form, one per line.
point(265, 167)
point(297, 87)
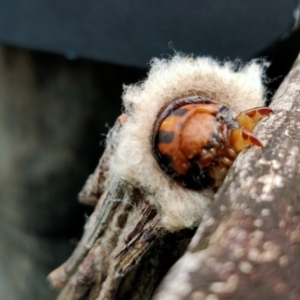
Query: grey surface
point(131, 33)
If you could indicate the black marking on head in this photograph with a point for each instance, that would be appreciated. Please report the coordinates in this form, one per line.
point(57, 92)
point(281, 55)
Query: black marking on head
point(196, 178)
point(165, 159)
point(194, 158)
point(179, 112)
point(165, 136)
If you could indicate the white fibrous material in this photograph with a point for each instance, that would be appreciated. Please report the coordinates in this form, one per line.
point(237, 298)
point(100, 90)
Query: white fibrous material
point(238, 87)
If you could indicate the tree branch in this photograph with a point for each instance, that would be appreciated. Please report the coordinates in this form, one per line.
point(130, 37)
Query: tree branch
point(248, 245)
point(122, 243)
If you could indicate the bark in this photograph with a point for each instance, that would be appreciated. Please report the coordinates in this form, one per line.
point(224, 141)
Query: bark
point(124, 251)
point(247, 246)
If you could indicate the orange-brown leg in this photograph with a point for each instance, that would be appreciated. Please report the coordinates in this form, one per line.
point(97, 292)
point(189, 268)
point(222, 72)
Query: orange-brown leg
point(217, 172)
point(249, 118)
point(241, 138)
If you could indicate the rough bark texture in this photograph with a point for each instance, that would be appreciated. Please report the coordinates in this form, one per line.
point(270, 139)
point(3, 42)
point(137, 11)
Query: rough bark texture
point(248, 245)
point(124, 252)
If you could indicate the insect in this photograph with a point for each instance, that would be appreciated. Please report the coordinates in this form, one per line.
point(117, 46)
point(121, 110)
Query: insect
point(195, 140)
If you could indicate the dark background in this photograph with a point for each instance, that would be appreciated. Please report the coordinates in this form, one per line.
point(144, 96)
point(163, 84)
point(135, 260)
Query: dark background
point(132, 33)
point(62, 66)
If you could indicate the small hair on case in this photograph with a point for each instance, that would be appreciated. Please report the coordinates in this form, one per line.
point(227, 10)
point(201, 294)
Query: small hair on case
point(239, 87)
